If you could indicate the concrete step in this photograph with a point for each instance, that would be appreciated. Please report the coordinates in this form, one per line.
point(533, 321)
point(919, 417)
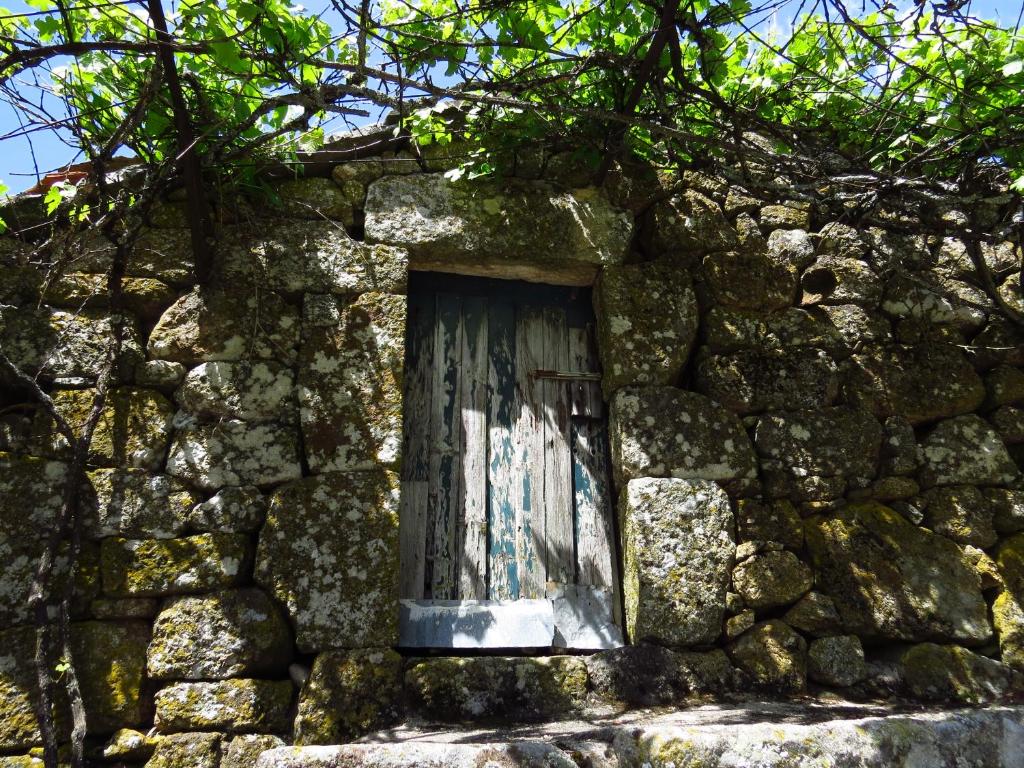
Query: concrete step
point(761, 735)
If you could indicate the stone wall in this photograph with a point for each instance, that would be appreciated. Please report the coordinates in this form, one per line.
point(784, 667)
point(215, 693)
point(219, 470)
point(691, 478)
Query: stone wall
point(817, 433)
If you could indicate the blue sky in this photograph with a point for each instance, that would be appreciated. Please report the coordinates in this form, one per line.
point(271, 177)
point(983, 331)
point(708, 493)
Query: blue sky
point(20, 158)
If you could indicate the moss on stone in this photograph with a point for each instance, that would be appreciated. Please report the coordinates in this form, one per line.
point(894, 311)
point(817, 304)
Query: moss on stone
point(154, 567)
point(953, 674)
point(348, 694)
point(229, 705)
point(110, 661)
point(187, 750)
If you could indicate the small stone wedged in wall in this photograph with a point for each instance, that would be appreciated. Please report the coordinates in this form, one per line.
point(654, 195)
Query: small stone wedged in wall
point(349, 694)
point(647, 317)
point(243, 750)
point(960, 513)
point(232, 452)
point(836, 661)
point(458, 225)
point(513, 688)
point(188, 750)
point(814, 614)
point(129, 744)
point(156, 567)
point(771, 579)
point(667, 432)
point(232, 509)
point(349, 381)
point(233, 633)
point(235, 705)
point(329, 553)
point(891, 580)
point(677, 555)
point(226, 324)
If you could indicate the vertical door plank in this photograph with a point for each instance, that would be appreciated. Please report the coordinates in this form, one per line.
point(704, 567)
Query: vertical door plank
point(595, 535)
point(595, 542)
point(472, 515)
point(445, 472)
point(560, 554)
point(586, 395)
point(412, 527)
point(528, 449)
point(503, 499)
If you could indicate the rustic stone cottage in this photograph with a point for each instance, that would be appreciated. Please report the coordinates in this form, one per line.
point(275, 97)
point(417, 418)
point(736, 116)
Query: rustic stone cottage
point(431, 451)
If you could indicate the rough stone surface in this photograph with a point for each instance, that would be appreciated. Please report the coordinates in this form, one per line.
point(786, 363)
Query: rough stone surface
point(316, 199)
point(447, 222)
point(935, 300)
point(650, 675)
point(1008, 619)
point(773, 655)
point(133, 503)
point(1005, 386)
point(250, 391)
point(350, 382)
point(226, 324)
point(829, 442)
point(751, 381)
point(677, 538)
point(59, 344)
point(920, 383)
point(232, 452)
point(232, 509)
point(892, 580)
point(111, 667)
point(750, 279)
point(1007, 509)
point(661, 431)
point(1008, 422)
point(160, 374)
point(687, 227)
point(234, 633)
point(839, 280)
point(187, 750)
point(965, 450)
point(647, 318)
point(517, 688)
point(769, 521)
point(954, 674)
point(772, 579)
point(244, 750)
point(348, 694)
point(129, 744)
point(791, 246)
point(341, 591)
point(786, 215)
point(227, 705)
point(526, 754)
point(132, 431)
point(960, 513)
point(19, 728)
point(836, 661)
point(156, 567)
point(314, 257)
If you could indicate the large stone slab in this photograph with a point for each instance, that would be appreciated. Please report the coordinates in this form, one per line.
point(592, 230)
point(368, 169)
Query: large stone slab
point(232, 323)
point(250, 391)
point(829, 442)
point(667, 432)
point(532, 754)
point(63, 345)
point(348, 694)
point(677, 554)
point(755, 380)
point(19, 694)
point(646, 323)
point(135, 504)
point(483, 226)
point(750, 279)
point(313, 257)
point(232, 452)
point(237, 705)
point(921, 383)
point(156, 567)
point(891, 580)
point(965, 450)
point(132, 431)
point(686, 227)
point(329, 552)
point(515, 689)
point(350, 381)
point(234, 633)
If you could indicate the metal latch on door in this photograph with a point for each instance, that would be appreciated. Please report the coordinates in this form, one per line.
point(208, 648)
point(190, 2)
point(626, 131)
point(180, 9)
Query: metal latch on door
point(564, 375)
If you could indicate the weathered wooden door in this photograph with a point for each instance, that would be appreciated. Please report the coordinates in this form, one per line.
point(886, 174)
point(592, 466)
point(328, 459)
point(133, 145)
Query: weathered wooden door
point(505, 491)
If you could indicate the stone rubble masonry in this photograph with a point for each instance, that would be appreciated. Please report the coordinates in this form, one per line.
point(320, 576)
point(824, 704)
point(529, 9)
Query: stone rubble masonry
point(816, 435)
